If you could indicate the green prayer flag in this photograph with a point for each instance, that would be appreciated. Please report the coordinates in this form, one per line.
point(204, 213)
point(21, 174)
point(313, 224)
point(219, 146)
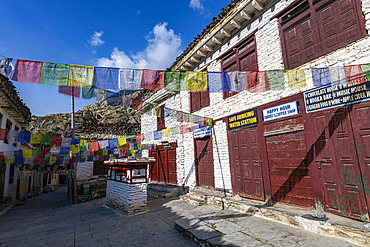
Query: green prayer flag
point(276, 79)
point(175, 81)
point(36, 152)
point(186, 117)
point(147, 109)
point(46, 160)
point(78, 159)
point(175, 131)
point(99, 152)
point(46, 139)
point(366, 70)
point(54, 74)
point(210, 122)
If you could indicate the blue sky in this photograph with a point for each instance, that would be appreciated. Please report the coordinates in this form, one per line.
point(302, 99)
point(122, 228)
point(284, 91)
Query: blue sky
point(125, 34)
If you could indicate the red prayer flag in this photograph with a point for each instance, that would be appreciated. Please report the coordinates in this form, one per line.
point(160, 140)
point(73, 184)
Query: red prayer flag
point(354, 74)
point(44, 151)
point(56, 141)
point(137, 105)
point(68, 90)
point(152, 79)
point(93, 146)
point(257, 81)
point(38, 160)
point(139, 138)
point(27, 71)
point(3, 134)
point(184, 129)
point(72, 160)
point(205, 121)
point(180, 116)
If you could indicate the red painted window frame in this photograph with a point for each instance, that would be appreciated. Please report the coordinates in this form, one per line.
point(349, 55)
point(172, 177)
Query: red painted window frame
point(316, 28)
point(238, 56)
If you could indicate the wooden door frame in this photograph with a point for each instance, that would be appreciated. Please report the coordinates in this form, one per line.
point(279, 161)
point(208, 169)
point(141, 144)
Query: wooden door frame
point(196, 160)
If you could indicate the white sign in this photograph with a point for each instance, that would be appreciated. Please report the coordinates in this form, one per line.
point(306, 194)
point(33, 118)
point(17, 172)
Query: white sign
point(202, 132)
point(280, 111)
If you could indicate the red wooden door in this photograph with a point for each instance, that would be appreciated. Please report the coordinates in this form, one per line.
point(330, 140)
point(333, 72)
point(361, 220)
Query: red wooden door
point(153, 169)
point(246, 164)
point(162, 166)
point(360, 118)
point(286, 150)
point(335, 163)
point(204, 163)
point(2, 180)
point(172, 168)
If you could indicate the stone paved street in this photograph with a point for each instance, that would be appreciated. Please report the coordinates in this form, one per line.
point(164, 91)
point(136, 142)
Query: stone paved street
point(50, 220)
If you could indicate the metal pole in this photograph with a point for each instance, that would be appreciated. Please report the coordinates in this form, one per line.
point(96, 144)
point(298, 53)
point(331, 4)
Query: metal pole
point(74, 182)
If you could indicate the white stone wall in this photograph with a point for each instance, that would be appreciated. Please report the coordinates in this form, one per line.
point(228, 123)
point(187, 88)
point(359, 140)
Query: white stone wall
point(131, 198)
point(84, 170)
point(269, 55)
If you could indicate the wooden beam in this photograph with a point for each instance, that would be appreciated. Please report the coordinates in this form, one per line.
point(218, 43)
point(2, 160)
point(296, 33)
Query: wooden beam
point(206, 48)
point(200, 53)
point(216, 40)
point(245, 15)
point(226, 33)
point(257, 5)
point(194, 59)
point(235, 24)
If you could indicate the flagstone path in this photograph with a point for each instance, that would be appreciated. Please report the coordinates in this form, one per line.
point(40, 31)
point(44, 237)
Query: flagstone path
point(50, 220)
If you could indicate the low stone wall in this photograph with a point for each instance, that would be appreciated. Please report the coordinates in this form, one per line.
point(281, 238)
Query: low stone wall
point(131, 198)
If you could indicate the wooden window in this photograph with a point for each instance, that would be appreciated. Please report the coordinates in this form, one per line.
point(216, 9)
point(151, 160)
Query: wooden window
point(313, 28)
point(8, 126)
point(99, 168)
point(11, 173)
point(242, 57)
point(17, 129)
point(161, 122)
point(198, 100)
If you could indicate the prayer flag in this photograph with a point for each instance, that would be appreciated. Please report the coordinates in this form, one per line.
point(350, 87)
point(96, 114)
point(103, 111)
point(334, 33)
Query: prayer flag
point(175, 81)
point(238, 81)
point(194, 127)
point(197, 81)
point(191, 118)
point(184, 129)
point(147, 108)
point(157, 135)
point(179, 116)
point(105, 152)
point(218, 82)
point(106, 78)
point(35, 138)
point(210, 122)
point(126, 102)
point(257, 81)
point(56, 141)
point(166, 132)
point(66, 142)
point(103, 144)
point(37, 160)
point(152, 79)
point(137, 105)
point(121, 141)
point(148, 136)
point(3, 134)
point(70, 91)
point(54, 74)
point(338, 75)
point(321, 77)
point(101, 95)
point(113, 143)
point(55, 150)
point(175, 131)
point(36, 152)
point(74, 149)
point(52, 160)
point(6, 66)
point(12, 136)
point(75, 141)
point(186, 117)
point(366, 70)
point(139, 138)
point(130, 79)
point(29, 160)
point(46, 140)
point(45, 151)
point(276, 79)
point(24, 137)
point(114, 99)
point(80, 74)
point(27, 153)
point(88, 92)
point(27, 71)
point(354, 74)
point(93, 146)
point(296, 78)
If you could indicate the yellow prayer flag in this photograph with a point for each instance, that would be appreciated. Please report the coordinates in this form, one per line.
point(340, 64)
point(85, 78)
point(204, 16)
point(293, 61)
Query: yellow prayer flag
point(79, 74)
point(139, 146)
point(52, 160)
point(197, 81)
point(296, 78)
point(105, 152)
point(74, 149)
point(9, 160)
point(166, 132)
point(191, 118)
point(111, 156)
point(27, 153)
point(158, 110)
point(35, 138)
point(121, 141)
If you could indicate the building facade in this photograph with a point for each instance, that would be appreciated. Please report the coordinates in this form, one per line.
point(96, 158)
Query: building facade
point(316, 159)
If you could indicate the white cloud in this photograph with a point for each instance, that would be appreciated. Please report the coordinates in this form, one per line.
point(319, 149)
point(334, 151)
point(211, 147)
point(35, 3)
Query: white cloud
point(196, 5)
point(161, 51)
point(95, 39)
point(138, 12)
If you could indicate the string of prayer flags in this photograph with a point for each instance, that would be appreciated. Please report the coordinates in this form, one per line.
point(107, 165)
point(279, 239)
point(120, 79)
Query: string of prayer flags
point(152, 79)
point(321, 77)
point(257, 81)
point(80, 74)
point(106, 78)
point(276, 79)
point(130, 79)
point(54, 74)
point(354, 74)
point(175, 81)
point(197, 81)
point(296, 78)
point(218, 82)
point(238, 81)
point(27, 71)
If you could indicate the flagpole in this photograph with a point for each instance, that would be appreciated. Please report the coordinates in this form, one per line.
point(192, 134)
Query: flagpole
point(74, 182)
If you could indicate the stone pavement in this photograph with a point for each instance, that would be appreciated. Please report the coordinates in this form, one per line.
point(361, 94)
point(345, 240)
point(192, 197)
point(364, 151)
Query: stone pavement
point(50, 220)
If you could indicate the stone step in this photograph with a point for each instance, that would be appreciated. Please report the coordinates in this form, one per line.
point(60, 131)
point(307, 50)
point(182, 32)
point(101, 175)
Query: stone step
point(164, 188)
point(192, 200)
point(198, 194)
point(162, 194)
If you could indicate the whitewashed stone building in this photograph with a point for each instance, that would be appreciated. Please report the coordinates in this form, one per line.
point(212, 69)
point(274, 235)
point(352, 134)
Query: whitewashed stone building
point(281, 159)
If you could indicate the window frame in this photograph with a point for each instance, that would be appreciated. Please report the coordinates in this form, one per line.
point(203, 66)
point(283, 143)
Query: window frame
point(317, 29)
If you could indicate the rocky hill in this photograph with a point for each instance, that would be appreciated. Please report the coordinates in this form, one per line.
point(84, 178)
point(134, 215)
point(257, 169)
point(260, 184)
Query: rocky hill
point(95, 121)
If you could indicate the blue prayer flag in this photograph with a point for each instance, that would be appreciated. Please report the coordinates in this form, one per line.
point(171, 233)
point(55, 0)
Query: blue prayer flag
point(106, 78)
point(321, 77)
point(24, 137)
point(113, 143)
